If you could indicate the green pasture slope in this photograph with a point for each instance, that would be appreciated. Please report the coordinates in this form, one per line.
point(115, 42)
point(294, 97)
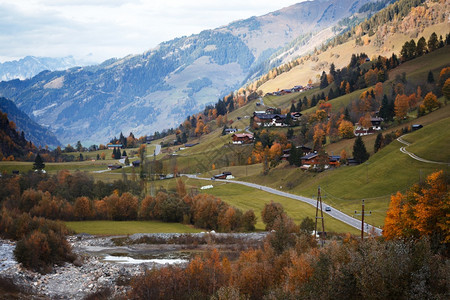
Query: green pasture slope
point(128, 227)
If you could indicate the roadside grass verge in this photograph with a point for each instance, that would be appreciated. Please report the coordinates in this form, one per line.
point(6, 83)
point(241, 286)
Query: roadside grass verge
point(128, 227)
point(245, 198)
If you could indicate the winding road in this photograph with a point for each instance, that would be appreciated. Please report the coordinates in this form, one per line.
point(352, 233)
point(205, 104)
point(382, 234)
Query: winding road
point(333, 213)
point(412, 155)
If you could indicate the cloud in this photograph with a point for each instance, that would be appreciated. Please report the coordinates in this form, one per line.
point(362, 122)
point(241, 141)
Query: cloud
point(112, 28)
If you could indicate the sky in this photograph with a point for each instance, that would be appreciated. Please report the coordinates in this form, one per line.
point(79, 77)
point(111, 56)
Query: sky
point(95, 30)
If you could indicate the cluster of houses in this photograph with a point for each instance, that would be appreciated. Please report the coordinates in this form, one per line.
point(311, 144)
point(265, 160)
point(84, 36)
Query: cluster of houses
point(295, 89)
point(270, 118)
point(310, 158)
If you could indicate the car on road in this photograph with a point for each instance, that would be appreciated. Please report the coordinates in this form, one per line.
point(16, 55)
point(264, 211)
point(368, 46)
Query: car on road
point(327, 208)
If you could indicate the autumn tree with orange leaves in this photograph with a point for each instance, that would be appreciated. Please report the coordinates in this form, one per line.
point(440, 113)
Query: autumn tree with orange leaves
point(422, 211)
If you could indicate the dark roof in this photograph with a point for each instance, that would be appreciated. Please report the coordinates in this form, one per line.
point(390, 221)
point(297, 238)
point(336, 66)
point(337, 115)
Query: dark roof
point(270, 116)
point(303, 147)
point(335, 158)
point(190, 145)
point(309, 156)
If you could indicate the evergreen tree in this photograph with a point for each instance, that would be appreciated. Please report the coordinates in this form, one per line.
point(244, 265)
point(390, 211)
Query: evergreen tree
point(433, 42)
point(38, 163)
point(331, 94)
point(81, 158)
point(114, 153)
point(184, 138)
point(289, 119)
point(347, 114)
point(292, 108)
point(123, 140)
point(223, 130)
point(378, 142)
point(117, 154)
point(333, 70)
point(430, 78)
point(295, 156)
point(384, 108)
point(323, 80)
point(305, 102)
point(421, 48)
point(360, 153)
point(299, 106)
point(79, 146)
point(124, 153)
point(290, 133)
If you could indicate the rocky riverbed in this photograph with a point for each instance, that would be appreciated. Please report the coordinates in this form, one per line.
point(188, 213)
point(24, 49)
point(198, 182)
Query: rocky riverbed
point(103, 265)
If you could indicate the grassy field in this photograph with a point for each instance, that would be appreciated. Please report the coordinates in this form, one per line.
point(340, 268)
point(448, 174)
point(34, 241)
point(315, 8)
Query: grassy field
point(90, 164)
point(430, 141)
point(128, 227)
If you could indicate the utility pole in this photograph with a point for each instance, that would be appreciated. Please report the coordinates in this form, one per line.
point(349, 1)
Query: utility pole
point(362, 218)
point(362, 221)
point(319, 202)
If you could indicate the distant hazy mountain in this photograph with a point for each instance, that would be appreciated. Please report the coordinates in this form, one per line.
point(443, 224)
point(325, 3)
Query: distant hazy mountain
point(30, 66)
point(159, 88)
point(34, 132)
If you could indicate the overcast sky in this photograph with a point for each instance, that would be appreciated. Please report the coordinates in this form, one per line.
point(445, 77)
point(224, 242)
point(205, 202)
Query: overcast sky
point(101, 29)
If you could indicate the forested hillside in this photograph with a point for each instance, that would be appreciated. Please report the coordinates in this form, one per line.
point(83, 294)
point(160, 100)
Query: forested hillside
point(13, 144)
point(34, 132)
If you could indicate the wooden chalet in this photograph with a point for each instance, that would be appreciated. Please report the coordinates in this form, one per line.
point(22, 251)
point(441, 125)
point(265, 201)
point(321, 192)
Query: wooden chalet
point(242, 138)
point(310, 159)
point(376, 122)
point(269, 120)
point(285, 91)
point(334, 160)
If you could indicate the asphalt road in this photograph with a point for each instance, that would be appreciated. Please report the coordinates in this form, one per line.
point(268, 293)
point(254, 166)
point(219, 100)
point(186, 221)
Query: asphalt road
point(333, 213)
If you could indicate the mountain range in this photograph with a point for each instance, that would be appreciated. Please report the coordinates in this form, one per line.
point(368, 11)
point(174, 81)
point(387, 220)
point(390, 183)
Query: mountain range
point(159, 88)
point(30, 66)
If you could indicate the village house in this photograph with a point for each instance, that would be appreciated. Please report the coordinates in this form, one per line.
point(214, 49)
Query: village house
point(287, 152)
point(312, 159)
point(269, 120)
point(376, 126)
point(242, 138)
